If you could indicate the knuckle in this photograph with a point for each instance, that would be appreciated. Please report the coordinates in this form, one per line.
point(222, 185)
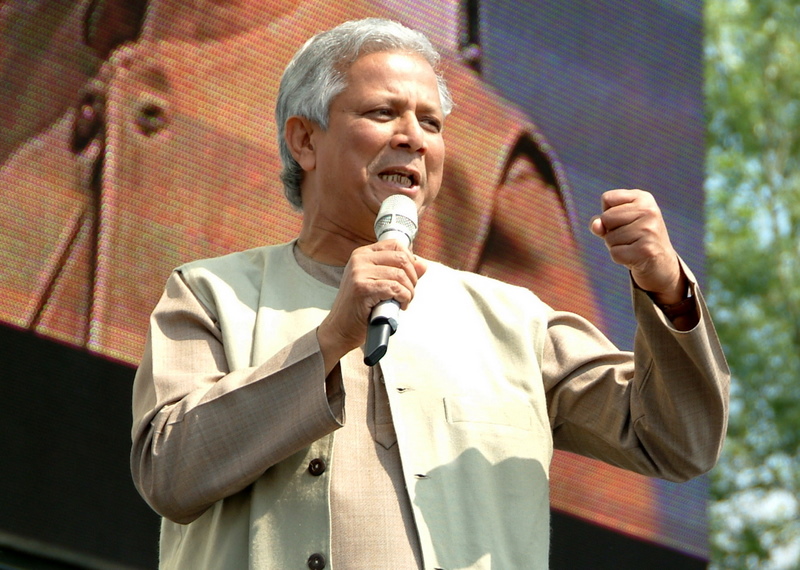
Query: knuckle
point(651, 207)
point(401, 260)
point(397, 290)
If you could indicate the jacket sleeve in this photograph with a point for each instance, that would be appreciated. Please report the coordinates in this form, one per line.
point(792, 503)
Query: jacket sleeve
point(202, 432)
point(660, 411)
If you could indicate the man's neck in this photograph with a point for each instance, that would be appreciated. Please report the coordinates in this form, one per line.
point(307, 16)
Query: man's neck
point(328, 240)
point(328, 274)
point(328, 248)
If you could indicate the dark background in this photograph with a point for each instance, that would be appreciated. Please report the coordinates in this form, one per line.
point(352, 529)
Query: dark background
point(67, 500)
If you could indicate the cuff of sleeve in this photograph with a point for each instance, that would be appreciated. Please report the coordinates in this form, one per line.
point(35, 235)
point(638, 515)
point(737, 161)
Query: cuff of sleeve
point(334, 389)
point(305, 358)
point(667, 313)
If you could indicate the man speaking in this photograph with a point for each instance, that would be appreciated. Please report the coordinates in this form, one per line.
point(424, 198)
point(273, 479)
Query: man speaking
point(264, 439)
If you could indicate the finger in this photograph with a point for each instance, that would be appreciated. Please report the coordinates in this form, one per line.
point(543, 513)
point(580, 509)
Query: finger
point(641, 212)
point(420, 265)
point(618, 220)
point(399, 265)
point(383, 275)
point(626, 230)
point(394, 290)
point(629, 255)
point(618, 197)
point(618, 209)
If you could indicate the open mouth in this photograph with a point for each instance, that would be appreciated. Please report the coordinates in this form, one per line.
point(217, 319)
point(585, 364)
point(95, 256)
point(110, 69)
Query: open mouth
point(406, 180)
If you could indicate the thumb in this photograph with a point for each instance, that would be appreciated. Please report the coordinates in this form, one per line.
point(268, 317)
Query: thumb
point(596, 226)
point(420, 265)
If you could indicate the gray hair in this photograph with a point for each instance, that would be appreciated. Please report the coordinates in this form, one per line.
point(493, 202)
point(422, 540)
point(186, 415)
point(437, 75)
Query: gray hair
point(317, 74)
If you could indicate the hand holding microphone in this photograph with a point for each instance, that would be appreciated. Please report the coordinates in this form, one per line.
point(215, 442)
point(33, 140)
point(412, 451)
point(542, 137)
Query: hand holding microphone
point(397, 219)
point(375, 273)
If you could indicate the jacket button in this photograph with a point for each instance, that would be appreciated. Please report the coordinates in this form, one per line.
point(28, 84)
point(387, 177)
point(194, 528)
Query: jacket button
point(316, 562)
point(317, 467)
point(150, 119)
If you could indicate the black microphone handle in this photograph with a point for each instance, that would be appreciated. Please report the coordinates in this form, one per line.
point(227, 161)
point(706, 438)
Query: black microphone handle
point(378, 332)
point(377, 342)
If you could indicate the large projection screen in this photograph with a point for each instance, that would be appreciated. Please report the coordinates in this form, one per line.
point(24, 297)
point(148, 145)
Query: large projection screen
point(136, 136)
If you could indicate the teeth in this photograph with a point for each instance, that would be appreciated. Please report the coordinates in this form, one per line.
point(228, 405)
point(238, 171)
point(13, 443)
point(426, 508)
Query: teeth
point(400, 179)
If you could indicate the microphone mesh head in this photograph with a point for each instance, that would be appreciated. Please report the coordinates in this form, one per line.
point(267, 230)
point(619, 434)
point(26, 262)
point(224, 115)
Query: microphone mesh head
point(398, 213)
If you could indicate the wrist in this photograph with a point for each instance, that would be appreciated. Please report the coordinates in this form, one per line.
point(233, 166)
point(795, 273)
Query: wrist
point(685, 306)
point(332, 345)
point(673, 290)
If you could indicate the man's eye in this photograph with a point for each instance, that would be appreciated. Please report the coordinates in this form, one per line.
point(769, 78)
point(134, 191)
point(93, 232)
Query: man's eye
point(432, 124)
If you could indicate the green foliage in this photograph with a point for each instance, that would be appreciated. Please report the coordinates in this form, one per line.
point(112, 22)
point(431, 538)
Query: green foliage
point(753, 247)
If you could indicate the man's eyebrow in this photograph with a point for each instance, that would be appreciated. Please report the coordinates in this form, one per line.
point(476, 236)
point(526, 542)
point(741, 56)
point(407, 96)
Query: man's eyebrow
point(392, 98)
point(435, 109)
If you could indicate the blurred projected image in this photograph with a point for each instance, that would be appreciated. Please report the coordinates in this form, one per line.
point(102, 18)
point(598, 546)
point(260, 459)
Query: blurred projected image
point(141, 137)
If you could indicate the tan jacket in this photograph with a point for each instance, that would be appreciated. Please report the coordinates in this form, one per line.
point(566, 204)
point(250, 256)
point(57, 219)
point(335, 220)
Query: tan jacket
point(483, 379)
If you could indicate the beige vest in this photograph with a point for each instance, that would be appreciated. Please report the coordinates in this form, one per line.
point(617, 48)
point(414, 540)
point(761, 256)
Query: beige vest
point(466, 394)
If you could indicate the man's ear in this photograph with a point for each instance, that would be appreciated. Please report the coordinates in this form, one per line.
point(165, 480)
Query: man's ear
point(299, 135)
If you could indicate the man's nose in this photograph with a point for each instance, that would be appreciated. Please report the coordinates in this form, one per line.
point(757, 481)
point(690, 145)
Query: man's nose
point(409, 134)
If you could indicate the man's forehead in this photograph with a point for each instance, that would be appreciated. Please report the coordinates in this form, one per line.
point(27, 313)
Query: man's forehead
point(384, 54)
point(377, 75)
point(376, 66)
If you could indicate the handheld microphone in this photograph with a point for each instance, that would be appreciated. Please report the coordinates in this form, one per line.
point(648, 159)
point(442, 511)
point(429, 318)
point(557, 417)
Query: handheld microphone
point(397, 219)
